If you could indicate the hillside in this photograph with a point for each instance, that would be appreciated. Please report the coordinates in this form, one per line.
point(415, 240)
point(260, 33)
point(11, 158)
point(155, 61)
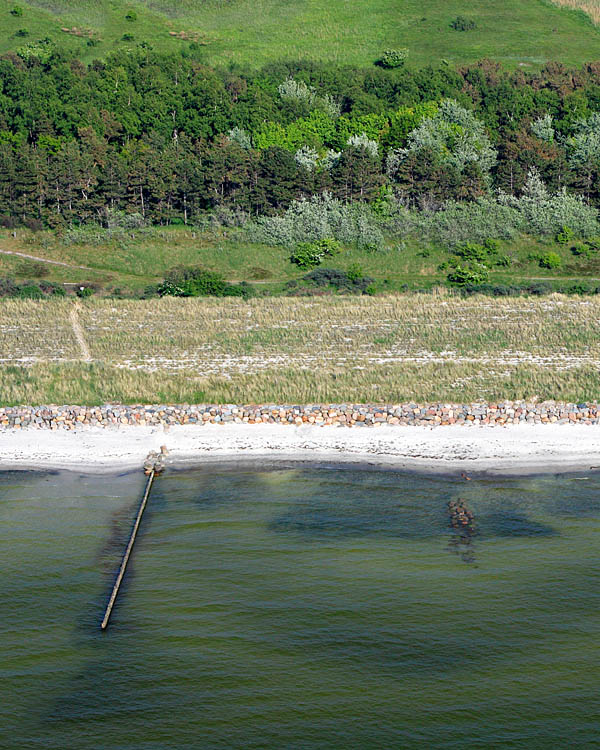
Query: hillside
point(517, 33)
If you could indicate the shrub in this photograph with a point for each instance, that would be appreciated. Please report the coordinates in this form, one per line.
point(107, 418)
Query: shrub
point(565, 235)
point(549, 260)
point(544, 213)
point(318, 218)
point(127, 37)
point(29, 291)
point(131, 16)
point(35, 225)
point(8, 288)
point(393, 58)
point(472, 273)
point(52, 289)
point(8, 222)
point(22, 32)
point(347, 282)
point(311, 254)
point(198, 282)
point(84, 291)
point(473, 252)
point(16, 11)
point(460, 23)
point(584, 250)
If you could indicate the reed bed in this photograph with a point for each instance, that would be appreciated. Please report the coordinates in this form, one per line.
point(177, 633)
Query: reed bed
point(382, 349)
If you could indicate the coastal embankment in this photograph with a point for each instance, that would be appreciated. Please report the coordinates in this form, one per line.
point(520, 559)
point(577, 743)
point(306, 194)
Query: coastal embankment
point(507, 437)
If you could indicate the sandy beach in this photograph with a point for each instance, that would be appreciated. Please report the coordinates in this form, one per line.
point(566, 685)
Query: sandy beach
point(492, 449)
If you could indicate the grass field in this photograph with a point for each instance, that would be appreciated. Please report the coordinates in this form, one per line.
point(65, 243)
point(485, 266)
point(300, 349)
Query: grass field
point(131, 264)
point(358, 349)
point(518, 33)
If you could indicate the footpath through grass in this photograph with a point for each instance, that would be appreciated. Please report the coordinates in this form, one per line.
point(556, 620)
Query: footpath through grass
point(343, 349)
point(517, 33)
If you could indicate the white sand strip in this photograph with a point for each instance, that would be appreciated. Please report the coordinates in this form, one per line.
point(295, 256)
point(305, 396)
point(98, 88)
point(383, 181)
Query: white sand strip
point(512, 449)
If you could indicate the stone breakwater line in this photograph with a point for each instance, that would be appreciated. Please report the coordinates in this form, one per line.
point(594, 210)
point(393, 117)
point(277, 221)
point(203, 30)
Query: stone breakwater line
point(350, 415)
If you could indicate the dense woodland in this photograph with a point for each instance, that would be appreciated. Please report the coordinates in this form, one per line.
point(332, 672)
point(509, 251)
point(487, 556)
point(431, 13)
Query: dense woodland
point(167, 138)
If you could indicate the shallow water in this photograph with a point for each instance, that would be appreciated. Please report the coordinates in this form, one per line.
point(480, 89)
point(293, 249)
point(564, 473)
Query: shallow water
point(299, 608)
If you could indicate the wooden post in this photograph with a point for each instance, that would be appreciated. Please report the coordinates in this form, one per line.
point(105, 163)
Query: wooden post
point(125, 559)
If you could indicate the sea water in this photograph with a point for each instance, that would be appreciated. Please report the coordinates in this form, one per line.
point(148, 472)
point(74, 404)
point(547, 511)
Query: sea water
point(300, 607)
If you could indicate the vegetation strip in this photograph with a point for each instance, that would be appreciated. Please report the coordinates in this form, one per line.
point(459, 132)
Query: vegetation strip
point(351, 415)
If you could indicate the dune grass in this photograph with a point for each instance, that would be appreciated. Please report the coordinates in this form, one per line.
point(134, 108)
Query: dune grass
point(590, 7)
point(385, 349)
point(518, 33)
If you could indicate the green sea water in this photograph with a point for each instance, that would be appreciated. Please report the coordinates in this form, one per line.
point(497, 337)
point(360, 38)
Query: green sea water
point(300, 608)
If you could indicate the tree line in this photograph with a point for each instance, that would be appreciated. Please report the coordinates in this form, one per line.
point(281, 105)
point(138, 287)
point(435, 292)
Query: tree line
point(166, 137)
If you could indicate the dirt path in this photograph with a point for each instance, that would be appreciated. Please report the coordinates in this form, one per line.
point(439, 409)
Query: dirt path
point(43, 260)
point(79, 335)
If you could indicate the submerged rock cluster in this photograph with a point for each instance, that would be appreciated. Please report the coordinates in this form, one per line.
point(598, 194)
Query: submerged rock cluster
point(354, 415)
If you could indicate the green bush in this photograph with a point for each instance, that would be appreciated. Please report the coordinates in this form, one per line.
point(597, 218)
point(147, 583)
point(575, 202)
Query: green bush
point(584, 250)
point(549, 260)
point(350, 282)
point(30, 291)
point(127, 37)
point(84, 291)
point(131, 16)
point(473, 252)
point(16, 11)
point(472, 273)
point(311, 254)
point(393, 58)
point(565, 235)
point(460, 23)
point(22, 32)
point(198, 282)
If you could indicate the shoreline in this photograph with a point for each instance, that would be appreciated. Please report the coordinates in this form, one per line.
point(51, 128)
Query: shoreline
point(490, 449)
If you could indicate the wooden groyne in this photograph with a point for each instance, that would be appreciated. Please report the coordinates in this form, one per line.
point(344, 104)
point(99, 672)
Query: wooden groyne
point(153, 465)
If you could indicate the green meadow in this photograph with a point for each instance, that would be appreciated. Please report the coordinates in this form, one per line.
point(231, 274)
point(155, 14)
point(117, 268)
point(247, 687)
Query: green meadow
point(516, 33)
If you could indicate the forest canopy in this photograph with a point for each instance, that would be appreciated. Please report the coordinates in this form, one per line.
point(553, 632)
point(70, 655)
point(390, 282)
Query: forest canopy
point(165, 138)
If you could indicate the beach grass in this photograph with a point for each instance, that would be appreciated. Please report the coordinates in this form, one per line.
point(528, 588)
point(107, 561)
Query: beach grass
point(423, 347)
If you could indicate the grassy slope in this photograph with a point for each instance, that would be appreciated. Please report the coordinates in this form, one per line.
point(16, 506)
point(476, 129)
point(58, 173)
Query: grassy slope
point(515, 32)
point(138, 262)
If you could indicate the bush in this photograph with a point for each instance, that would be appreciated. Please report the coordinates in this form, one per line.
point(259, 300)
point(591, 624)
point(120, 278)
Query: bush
point(473, 252)
point(127, 37)
point(472, 273)
point(311, 254)
point(51, 289)
point(84, 291)
point(8, 288)
point(460, 23)
point(350, 282)
point(22, 32)
point(584, 250)
point(35, 225)
point(393, 58)
point(565, 235)
point(16, 11)
point(320, 217)
point(549, 260)
point(131, 16)
point(198, 282)
point(29, 291)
